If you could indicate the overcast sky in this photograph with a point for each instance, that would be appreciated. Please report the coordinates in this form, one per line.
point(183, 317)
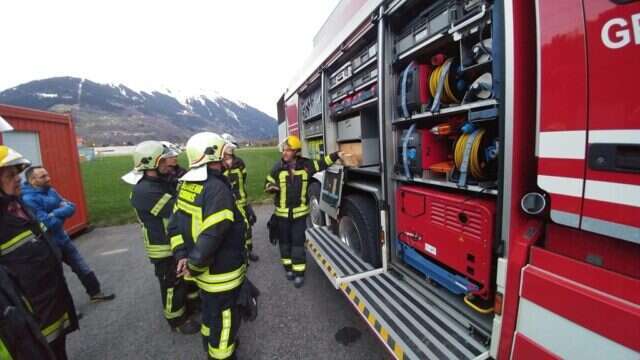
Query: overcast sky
point(246, 50)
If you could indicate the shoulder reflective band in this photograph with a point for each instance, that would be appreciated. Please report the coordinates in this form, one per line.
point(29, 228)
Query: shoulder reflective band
point(17, 241)
point(176, 241)
point(216, 218)
point(54, 330)
point(160, 204)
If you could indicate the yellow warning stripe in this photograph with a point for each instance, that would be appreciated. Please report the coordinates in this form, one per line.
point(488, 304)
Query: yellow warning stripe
point(316, 253)
point(393, 345)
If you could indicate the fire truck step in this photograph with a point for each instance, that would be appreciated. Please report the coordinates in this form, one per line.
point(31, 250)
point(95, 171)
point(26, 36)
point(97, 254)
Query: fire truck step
point(335, 259)
point(410, 326)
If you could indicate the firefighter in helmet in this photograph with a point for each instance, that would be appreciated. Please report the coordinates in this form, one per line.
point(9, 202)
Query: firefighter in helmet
point(153, 197)
point(207, 236)
point(33, 265)
point(236, 172)
point(289, 181)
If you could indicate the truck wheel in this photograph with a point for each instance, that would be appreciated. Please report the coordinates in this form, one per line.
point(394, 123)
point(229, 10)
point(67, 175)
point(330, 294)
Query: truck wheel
point(316, 217)
point(359, 227)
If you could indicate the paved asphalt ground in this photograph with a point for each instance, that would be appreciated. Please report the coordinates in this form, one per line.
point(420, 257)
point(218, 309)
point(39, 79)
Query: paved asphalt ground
point(292, 323)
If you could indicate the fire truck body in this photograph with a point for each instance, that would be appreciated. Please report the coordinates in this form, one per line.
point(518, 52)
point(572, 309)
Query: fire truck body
point(491, 206)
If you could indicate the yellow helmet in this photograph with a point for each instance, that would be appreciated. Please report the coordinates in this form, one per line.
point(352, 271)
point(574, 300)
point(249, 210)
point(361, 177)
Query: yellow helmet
point(205, 147)
point(10, 157)
point(292, 142)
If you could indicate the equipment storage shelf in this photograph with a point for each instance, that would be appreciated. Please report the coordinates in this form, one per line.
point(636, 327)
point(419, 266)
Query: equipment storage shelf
point(444, 112)
point(355, 109)
point(447, 184)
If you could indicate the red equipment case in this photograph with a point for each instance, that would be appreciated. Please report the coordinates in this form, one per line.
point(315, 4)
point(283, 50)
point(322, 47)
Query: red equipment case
point(455, 230)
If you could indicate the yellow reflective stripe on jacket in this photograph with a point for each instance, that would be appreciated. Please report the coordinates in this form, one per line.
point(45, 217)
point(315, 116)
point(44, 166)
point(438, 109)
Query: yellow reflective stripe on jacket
point(216, 218)
point(160, 204)
point(316, 165)
point(283, 189)
point(270, 179)
point(224, 349)
point(241, 190)
point(285, 261)
point(197, 268)
point(305, 179)
point(215, 283)
point(328, 160)
point(16, 241)
point(56, 329)
point(155, 251)
point(204, 330)
point(176, 240)
point(4, 352)
point(196, 217)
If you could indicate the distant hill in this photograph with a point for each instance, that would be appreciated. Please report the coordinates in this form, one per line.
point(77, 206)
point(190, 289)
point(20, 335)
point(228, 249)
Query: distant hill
point(110, 114)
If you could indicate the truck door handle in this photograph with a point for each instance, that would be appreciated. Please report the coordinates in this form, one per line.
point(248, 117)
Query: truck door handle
point(614, 157)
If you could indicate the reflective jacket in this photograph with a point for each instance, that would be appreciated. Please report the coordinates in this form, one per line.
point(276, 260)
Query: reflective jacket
point(207, 228)
point(153, 199)
point(20, 336)
point(34, 261)
point(292, 201)
point(237, 175)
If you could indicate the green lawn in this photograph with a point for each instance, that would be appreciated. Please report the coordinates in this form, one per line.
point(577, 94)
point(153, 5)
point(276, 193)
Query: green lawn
point(108, 196)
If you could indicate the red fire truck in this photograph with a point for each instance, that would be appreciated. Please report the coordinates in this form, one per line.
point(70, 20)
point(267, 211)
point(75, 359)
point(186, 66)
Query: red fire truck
point(491, 203)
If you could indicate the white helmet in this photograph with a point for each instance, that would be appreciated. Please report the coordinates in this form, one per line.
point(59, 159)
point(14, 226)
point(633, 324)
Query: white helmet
point(205, 147)
point(174, 148)
point(148, 154)
point(10, 157)
point(230, 139)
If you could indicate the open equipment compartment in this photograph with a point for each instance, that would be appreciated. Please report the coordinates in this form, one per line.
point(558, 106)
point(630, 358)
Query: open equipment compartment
point(446, 136)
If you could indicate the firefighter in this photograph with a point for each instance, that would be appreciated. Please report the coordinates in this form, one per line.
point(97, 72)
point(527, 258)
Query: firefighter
point(236, 172)
point(153, 198)
point(207, 236)
point(289, 181)
point(30, 257)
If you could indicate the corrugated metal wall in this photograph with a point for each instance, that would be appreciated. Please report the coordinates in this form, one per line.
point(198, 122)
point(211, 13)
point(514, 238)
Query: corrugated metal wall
point(59, 154)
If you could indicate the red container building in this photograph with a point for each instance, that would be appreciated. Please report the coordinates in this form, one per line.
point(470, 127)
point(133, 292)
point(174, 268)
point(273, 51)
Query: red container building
point(49, 139)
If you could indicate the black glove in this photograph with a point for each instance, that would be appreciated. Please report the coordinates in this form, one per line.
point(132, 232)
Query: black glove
point(272, 225)
point(248, 301)
point(251, 215)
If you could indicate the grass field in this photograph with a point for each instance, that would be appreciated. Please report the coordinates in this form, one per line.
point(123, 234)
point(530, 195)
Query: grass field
point(108, 196)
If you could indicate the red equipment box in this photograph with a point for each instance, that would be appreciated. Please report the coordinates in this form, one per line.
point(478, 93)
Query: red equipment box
point(435, 149)
point(455, 230)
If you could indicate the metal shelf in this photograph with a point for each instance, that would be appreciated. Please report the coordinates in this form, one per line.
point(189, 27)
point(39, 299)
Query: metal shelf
point(446, 111)
point(355, 108)
point(313, 136)
point(313, 117)
point(447, 184)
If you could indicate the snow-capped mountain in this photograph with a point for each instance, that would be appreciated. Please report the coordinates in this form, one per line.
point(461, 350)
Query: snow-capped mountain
point(116, 113)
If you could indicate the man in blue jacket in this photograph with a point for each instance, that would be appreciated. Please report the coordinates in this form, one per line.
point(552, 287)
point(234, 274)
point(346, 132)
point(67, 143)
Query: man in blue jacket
point(52, 210)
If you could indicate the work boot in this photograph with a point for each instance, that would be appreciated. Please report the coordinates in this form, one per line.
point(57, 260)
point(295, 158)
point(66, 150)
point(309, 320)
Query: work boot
point(100, 297)
point(298, 282)
point(290, 275)
point(189, 327)
point(253, 257)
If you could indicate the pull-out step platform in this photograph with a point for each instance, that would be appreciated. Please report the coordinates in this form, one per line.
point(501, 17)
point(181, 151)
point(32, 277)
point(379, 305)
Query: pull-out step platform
point(410, 325)
point(337, 261)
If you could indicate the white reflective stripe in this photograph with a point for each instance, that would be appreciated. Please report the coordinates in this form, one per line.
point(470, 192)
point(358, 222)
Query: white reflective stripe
point(565, 218)
point(561, 185)
point(562, 144)
point(623, 194)
point(551, 331)
point(616, 230)
point(625, 136)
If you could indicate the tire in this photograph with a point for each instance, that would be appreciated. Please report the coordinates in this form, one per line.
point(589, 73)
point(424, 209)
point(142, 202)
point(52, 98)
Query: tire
point(359, 227)
point(317, 217)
